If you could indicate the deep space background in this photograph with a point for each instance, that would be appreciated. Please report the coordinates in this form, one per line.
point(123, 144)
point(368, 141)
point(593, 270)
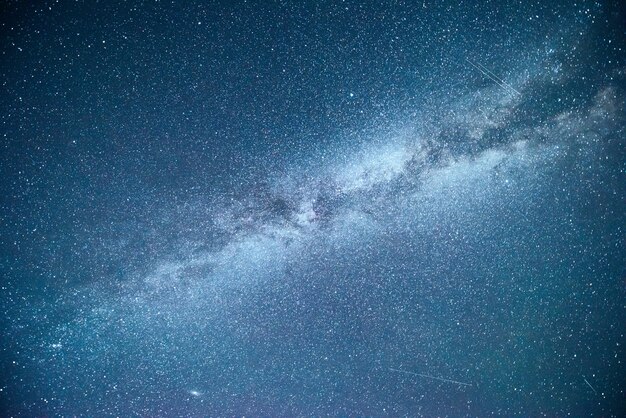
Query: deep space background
point(283, 208)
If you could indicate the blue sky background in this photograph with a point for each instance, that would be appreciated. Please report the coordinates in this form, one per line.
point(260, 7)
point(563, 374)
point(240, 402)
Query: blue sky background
point(312, 208)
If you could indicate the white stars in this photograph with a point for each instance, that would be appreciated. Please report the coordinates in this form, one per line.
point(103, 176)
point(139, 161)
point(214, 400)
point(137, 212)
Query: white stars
point(318, 221)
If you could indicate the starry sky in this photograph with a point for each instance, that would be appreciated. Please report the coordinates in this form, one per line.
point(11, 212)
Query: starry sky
point(311, 208)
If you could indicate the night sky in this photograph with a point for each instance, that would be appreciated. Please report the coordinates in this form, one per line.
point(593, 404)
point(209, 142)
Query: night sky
point(281, 208)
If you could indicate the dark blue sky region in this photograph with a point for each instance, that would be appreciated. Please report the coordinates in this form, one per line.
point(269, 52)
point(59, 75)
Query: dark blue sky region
point(339, 208)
